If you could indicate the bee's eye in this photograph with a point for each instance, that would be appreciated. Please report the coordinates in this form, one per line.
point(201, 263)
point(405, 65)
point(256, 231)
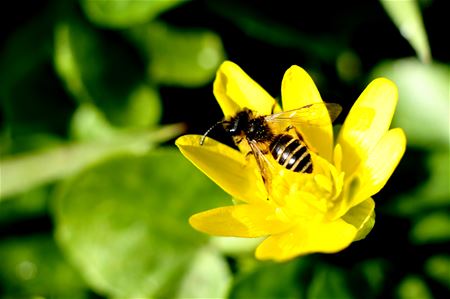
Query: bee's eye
point(232, 127)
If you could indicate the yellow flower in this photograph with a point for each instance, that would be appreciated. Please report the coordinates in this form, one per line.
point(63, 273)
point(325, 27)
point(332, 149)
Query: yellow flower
point(302, 213)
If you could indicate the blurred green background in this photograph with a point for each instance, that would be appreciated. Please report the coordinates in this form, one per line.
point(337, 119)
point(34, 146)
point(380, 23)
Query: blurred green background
point(95, 198)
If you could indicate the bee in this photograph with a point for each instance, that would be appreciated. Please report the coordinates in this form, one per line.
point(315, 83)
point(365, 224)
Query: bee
point(273, 134)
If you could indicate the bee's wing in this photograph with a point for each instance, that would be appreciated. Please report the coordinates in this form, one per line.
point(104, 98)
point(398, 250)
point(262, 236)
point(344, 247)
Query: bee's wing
point(310, 115)
point(265, 167)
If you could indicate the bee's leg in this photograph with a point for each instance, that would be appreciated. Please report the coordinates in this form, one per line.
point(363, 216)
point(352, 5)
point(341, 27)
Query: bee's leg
point(288, 128)
point(299, 135)
point(248, 155)
point(265, 151)
point(297, 132)
point(237, 141)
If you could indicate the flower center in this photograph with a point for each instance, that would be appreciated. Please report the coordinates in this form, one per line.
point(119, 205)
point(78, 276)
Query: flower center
point(306, 196)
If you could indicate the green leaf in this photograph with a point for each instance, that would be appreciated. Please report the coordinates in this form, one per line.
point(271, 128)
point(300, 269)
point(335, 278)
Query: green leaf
point(432, 228)
point(104, 71)
point(433, 193)
point(413, 287)
point(31, 98)
point(144, 107)
point(125, 13)
point(16, 61)
point(424, 108)
point(89, 123)
point(374, 274)
point(329, 282)
point(208, 277)
point(72, 45)
point(15, 143)
point(272, 280)
point(185, 57)
point(438, 267)
point(124, 223)
point(408, 19)
point(27, 205)
point(33, 266)
point(23, 172)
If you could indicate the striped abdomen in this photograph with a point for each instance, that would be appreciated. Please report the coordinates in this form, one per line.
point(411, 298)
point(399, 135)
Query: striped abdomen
point(291, 153)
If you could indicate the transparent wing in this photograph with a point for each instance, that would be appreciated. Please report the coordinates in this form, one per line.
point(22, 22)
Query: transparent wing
point(310, 115)
point(265, 167)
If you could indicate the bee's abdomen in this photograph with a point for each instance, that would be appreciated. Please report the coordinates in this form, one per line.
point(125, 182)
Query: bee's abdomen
point(291, 153)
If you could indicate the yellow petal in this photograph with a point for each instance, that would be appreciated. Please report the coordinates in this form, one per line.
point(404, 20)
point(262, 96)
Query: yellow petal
point(337, 157)
point(235, 90)
point(374, 172)
point(227, 167)
point(368, 120)
point(298, 90)
point(362, 217)
point(305, 238)
point(243, 220)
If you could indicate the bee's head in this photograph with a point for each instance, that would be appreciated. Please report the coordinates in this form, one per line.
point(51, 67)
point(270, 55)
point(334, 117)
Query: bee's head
point(239, 123)
point(234, 126)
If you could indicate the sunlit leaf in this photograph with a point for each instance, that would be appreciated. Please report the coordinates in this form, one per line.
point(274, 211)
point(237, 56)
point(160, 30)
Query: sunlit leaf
point(144, 107)
point(89, 123)
point(112, 80)
point(438, 267)
point(184, 57)
point(208, 277)
point(34, 266)
point(66, 60)
point(407, 17)
point(432, 228)
point(424, 108)
point(23, 172)
point(125, 13)
point(413, 287)
point(18, 143)
point(124, 223)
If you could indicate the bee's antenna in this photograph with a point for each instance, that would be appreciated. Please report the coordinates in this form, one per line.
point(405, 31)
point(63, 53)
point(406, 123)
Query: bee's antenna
point(210, 129)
